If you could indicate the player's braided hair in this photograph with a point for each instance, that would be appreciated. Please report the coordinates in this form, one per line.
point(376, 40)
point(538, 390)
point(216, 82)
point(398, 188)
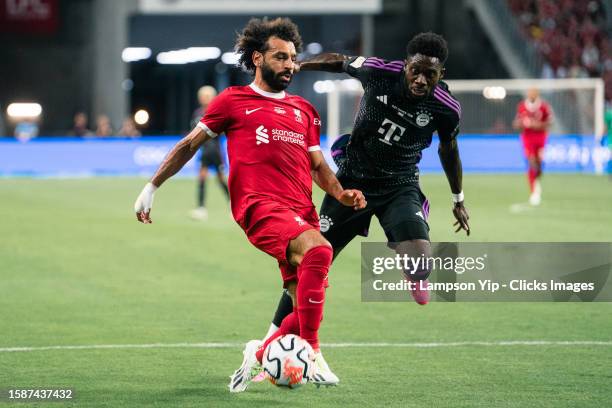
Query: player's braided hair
point(255, 35)
point(430, 44)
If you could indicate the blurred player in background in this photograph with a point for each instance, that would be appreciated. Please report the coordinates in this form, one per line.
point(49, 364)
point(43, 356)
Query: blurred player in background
point(273, 146)
point(533, 118)
point(404, 103)
point(211, 155)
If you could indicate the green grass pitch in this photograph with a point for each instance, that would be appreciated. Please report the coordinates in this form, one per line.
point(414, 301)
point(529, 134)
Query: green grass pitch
point(77, 269)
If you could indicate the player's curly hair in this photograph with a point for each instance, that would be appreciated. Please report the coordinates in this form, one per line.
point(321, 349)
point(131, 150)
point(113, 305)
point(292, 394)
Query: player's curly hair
point(255, 35)
point(430, 44)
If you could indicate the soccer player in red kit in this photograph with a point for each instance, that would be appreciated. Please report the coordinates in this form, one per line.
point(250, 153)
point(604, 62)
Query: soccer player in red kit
point(533, 117)
point(274, 155)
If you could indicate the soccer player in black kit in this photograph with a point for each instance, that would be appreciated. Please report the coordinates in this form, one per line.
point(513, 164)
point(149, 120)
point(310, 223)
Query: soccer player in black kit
point(211, 155)
point(404, 103)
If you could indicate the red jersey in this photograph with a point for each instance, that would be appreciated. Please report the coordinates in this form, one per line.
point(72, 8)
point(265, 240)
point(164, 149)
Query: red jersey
point(530, 111)
point(269, 137)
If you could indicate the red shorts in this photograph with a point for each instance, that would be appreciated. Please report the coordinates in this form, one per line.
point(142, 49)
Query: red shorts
point(533, 146)
point(270, 226)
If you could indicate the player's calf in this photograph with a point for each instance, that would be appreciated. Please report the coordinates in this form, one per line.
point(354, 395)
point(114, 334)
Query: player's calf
point(312, 273)
point(418, 251)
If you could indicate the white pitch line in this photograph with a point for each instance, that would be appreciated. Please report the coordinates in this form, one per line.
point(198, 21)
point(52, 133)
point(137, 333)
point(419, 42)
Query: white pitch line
point(502, 343)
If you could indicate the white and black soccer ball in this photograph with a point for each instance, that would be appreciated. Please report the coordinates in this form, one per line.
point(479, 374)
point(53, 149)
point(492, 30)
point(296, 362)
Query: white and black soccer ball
point(288, 361)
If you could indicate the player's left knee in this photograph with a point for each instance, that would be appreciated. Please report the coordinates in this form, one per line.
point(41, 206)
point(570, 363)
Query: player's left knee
point(321, 254)
point(305, 243)
point(319, 260)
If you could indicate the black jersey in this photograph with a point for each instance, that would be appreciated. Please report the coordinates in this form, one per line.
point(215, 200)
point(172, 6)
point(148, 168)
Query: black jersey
point(391, 130)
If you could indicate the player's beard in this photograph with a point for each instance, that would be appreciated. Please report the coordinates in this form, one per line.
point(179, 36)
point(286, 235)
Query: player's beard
point(273, 79)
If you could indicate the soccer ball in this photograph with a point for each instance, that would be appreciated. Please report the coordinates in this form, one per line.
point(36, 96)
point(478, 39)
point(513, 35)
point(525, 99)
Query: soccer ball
point(288, 361)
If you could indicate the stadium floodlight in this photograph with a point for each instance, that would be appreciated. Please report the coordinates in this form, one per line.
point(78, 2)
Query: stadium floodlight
point(141, 117)
point(230, 58)
point(494, 92)
point(350, 84)
point(314, 48)
point(325, 86)
point(203, 53)
point(328, 85)
point(29, 110)
point(188, 55)
point(133, 54)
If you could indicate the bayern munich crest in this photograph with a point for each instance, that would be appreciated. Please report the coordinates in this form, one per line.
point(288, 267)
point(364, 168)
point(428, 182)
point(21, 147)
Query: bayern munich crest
point(325, 223)
point(423, 118)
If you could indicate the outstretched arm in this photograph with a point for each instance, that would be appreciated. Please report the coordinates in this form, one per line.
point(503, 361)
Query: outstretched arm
point(329, 62)
point(325, 178)
point(451, 162)
point(180, 154)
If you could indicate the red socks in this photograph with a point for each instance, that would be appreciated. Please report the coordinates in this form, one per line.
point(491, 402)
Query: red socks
point(306, 319)
point(311, 293)
point(289, 325)
point(532, 174)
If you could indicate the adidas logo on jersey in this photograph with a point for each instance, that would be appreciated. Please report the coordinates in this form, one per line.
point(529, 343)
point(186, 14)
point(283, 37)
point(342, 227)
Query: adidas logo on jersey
point(382, 98)
point(261, 135)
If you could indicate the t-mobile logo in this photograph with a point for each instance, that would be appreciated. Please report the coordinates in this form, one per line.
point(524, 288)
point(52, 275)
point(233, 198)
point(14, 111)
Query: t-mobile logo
point(390, 132)
point(261, 135)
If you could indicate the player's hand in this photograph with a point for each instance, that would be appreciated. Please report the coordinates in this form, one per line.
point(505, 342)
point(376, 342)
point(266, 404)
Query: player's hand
point(462, 217)
point(143, 204)
point(352, 198)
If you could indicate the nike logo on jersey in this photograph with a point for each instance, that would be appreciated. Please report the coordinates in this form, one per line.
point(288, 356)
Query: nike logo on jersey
point(249, 111)
point(315, 301)
point(420, 214)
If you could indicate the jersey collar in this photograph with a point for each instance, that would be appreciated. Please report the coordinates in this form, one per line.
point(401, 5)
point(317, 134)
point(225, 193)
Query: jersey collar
point(275, 95)
point(532, 106)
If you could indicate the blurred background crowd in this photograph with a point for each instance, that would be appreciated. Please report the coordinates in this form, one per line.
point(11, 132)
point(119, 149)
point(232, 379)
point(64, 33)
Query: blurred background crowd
point(110, 66)
point(571, 35)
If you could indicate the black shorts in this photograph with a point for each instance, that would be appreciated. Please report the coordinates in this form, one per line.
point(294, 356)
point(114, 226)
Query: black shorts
point(402, 212)
point(211, 156)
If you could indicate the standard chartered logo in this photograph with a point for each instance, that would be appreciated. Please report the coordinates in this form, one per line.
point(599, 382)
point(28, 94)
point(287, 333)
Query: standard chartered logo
point(261, 135)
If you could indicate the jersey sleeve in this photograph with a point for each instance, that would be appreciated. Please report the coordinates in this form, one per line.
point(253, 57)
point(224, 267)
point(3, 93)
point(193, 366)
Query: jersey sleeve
point(357, 68)
point(364, 68)
point(448, 128)
point(449, 120)
point(314, 132)
point(216, 118)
